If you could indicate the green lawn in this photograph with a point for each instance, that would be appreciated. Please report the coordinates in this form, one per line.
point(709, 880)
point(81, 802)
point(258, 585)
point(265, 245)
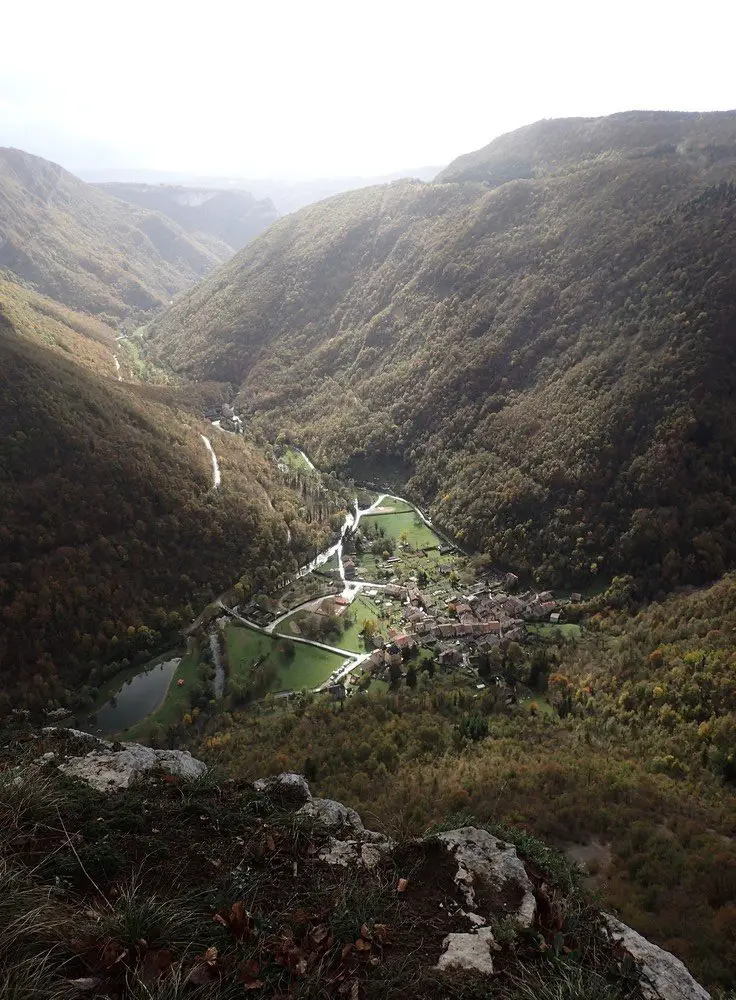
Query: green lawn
point(569, 630)
point(297, 461)
point(309, 667)
point(419, 535)
point(543, 706)
point(350, 639)
point(331, 564)
point(176, 702)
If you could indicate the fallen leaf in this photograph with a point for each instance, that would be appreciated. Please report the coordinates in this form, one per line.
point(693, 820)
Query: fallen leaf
point(361, 945)
point(270, 843)
point(254, 984)
point(381, 932)
point(200, 974)
point(238, 921)
point(319, 933)
point(403, 884)
point(365, 932)
point(346, 950)
point(210, 956)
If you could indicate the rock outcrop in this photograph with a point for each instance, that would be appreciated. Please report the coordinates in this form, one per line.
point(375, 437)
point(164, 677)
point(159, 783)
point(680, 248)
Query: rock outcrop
point(482, 880)
point(663, 976)
point(110, 767)
point(460, 885)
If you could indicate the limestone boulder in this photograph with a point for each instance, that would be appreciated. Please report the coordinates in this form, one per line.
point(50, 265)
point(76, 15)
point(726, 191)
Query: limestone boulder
point(663, 977)
point(339, 819)
point(291, 788)
point(468, 951)
point(490, 874)
point(111, 767)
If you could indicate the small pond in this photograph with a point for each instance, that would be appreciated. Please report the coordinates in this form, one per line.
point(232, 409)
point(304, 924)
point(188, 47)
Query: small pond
point(136, 699)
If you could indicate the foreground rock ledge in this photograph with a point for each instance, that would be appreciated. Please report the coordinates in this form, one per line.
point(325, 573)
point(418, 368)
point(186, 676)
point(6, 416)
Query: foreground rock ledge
point(487, 875)
point(111, 767)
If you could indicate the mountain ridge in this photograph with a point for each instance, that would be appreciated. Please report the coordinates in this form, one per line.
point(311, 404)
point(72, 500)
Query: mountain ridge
point(71, 241)
point(498, 346)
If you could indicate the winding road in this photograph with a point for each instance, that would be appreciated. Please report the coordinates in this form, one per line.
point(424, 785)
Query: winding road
point(216, 477)
point(349, 591)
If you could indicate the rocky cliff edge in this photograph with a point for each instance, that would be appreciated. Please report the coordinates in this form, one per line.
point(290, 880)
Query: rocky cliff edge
point(174, 883)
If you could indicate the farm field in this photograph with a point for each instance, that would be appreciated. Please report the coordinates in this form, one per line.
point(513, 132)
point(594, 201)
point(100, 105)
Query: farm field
point(394, 525)
point(295, 459)
point(394, 504)
point(308, 667)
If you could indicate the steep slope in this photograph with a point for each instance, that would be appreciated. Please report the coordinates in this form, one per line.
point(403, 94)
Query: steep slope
point(109, 515)
point(261, 888)
point(550, 363)
point(625, 756)
point(75, 243)
point(89, 341)
point(232, 217)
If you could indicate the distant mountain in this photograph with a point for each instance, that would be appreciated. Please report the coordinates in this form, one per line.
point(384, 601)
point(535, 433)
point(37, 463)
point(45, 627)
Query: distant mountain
point(88, 250)
point(557, 144)
point(286, 195)
point(541, 346)
point(108, 511)
point(290, 196)
point(231, 216)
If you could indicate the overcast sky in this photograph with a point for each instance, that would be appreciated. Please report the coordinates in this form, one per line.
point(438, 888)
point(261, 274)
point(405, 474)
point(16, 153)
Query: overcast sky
point(310, 88)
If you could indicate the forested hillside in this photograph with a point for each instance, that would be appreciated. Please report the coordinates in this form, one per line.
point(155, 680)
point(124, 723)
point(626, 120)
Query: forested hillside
point(111, 531)
point(233, 217)
point(90, 251)
point(547, 362)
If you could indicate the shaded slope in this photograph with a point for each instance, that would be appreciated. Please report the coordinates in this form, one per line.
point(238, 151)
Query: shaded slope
point(550, 363)
point(109, 517)
point(75, 243)
point(232, 217)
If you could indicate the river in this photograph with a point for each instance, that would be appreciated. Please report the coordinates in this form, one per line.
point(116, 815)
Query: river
point(219, 666)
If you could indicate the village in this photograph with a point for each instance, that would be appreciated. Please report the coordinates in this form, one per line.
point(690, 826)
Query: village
point(432, 606)
point(393, 595)
point(455, 631)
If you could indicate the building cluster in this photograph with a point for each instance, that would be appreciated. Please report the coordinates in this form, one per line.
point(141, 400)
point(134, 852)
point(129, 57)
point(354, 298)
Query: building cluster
point(452, 626)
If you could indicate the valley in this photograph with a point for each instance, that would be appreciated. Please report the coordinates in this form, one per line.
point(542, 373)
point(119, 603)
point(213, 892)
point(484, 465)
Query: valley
point(368, 626)
point(426, 493)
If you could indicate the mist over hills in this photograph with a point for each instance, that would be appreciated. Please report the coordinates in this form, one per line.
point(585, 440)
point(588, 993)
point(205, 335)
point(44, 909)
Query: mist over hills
point(233, 216)
point(288, 195)
point(88, 250)
point(547, 360)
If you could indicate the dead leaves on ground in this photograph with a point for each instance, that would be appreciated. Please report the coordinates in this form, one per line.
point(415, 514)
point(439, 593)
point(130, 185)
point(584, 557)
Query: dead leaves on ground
point(303, 946)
